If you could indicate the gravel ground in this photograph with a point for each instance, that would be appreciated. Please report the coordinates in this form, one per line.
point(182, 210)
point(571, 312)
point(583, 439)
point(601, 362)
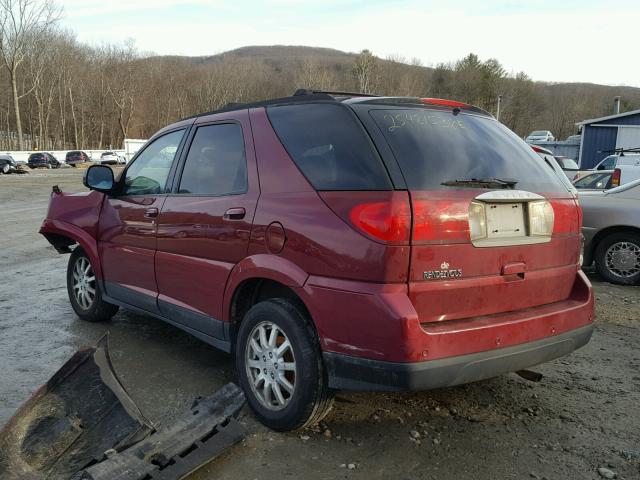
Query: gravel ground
point(583, 416)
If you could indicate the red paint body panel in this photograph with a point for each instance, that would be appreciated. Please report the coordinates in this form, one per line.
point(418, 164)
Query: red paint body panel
point(367, 296)
point(379, 322)
point(198, 245)
point(79, 209)
point(127, 243)
point(488, 285)
point(77, 234)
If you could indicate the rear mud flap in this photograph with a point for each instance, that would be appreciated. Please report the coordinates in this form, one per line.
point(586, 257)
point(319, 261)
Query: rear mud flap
point(82, 424)
point(70, 421)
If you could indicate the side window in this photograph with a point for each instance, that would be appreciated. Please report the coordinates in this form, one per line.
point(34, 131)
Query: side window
point(329, 147)
point(216, 163)
point(148, 174)
point(608, 164)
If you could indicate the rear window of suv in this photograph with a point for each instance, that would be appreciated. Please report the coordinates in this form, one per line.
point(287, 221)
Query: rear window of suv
point(330, 147)
point(436, 146)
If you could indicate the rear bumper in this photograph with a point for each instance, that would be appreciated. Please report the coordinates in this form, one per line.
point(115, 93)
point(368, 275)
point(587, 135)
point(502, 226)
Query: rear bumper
point(353, 373)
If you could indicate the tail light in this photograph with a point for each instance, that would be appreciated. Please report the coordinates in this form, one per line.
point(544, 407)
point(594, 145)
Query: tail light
point(387, 221)
point(615, 178)
point(540, 218)
point(444, 102)
point(567, 216)
point(383, 216)
point(440, 221)
point(477, 221)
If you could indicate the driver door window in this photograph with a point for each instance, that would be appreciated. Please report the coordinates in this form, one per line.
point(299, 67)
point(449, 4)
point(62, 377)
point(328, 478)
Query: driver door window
point(148, 174)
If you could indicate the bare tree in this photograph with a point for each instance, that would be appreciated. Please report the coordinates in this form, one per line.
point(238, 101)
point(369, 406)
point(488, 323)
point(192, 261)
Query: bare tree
point(21, 21)
point(365, 71)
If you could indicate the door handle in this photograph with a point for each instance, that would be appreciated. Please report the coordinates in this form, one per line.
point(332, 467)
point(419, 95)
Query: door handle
point(234, 214)
point(151, 213)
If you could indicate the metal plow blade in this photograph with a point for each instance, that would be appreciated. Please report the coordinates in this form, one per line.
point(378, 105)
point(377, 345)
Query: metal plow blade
point(69, 422)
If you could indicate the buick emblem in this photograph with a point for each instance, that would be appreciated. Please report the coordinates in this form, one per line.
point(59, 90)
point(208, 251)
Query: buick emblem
point(445, 272)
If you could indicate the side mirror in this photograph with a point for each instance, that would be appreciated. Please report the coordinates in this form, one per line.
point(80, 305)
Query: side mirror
point(99, 177)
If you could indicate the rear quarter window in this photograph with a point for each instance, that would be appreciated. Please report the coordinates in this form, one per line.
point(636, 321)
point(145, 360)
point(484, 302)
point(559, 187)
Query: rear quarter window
point(329, 146)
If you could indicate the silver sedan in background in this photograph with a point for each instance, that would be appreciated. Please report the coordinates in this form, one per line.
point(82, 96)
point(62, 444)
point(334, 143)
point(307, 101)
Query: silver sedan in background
point(611, 229)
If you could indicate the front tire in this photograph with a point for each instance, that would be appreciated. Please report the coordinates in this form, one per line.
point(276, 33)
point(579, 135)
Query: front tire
point(5, 168)
point(617, 258)
point(84, 292)
point(280, 366)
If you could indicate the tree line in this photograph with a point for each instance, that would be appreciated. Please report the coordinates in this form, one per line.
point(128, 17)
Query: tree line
point(63, 94)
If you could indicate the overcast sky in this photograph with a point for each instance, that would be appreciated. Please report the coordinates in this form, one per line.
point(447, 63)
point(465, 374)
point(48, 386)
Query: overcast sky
point(552, 40)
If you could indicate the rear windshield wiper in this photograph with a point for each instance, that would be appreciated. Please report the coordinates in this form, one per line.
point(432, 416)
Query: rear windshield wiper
point(507, 183)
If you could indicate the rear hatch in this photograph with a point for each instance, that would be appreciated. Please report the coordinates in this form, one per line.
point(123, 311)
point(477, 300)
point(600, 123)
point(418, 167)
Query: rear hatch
point(37, 158)
point(493, 227)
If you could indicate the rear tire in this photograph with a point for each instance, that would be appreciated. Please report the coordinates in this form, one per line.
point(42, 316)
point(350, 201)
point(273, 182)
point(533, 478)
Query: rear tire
point(280, 366)
point(84, 292)
point(5, 169)
point(617, 258)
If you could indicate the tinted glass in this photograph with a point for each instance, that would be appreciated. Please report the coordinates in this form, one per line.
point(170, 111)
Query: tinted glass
point(608, 163)
point(148, 174)
point(329, 146)
point(598, 181)
point(216, 163)
point(567, 163)
point(435, 146)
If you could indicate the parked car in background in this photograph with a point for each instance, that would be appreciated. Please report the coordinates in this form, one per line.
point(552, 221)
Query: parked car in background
point(108, 158)
point(342, 265)
point(613, 161)
point(42, 160)
point(611, 228)
point(540, 136)
point(568, 165)
point(628, 161)
point(556, 165)
point(122, 160)
point(75, 157)
point(7, 163)
point(595, 181)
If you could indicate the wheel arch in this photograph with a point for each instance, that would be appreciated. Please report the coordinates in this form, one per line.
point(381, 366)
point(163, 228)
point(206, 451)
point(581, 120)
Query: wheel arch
point(589, 254)
point(62, 236)
point(259, 278)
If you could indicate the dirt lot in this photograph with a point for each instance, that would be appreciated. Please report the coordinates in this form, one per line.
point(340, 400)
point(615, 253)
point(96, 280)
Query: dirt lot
point(585, 414)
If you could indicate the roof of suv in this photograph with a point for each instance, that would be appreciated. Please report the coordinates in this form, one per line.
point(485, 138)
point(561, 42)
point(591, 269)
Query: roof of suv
point(313, 96)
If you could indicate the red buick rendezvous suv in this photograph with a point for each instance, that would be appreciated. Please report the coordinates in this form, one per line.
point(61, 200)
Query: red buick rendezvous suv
point(336, 241)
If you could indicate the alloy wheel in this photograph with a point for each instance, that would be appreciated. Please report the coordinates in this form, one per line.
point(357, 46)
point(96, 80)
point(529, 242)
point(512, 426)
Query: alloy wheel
point(84, 283)
point(270, 365)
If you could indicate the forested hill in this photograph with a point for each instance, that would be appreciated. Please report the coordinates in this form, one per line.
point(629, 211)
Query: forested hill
point(527, 104)
point(76, 96)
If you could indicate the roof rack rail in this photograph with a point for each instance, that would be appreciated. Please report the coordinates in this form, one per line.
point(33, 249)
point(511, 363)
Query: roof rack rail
point(316, 96)
point(621, 150)
point(306, 91)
